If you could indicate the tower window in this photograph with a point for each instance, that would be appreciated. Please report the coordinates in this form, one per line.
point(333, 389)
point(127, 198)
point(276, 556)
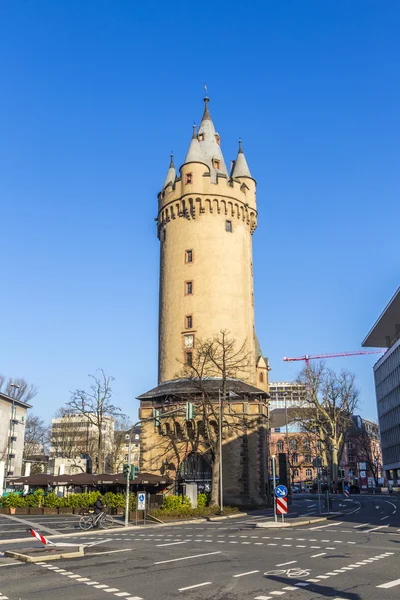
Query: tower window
point(163, 234)
point(261, 377)
point(189, 358)
point(189, 256)
point(188, 322)
point(189, 341)
point(188, 288)
point(201, 137)
point(189, 178)
point(216, 163)
point(228, 226)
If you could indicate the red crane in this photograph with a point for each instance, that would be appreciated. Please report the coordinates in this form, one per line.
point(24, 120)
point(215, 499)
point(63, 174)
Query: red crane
point(308, 357)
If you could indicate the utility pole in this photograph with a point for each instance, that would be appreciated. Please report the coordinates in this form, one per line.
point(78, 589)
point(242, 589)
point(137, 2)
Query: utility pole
point(287, 445)
point(274, 484)
point(128, 438)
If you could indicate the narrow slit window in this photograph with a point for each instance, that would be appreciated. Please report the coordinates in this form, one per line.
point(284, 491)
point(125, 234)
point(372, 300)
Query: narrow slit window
point(188, 288)
point(216, 164)
point(228, 226)
point(188, 322)
point(261, 378)
point(189, 177)
point(189, 256)
point(189, 358)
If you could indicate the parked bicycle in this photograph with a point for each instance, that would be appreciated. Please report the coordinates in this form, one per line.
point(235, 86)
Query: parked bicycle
point(89, 519)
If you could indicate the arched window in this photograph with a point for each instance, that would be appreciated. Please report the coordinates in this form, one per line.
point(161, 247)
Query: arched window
point(280, 446)
point(178, 431)
point(261, 377)
point(293, 444)
point(190, 430)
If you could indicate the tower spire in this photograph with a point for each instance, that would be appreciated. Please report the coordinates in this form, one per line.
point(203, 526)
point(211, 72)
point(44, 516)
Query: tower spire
point(171, 174)
point(240, 167)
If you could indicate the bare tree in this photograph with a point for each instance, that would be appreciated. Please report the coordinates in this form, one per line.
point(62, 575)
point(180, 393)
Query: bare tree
point(96, 406)
point(37, 436)
point(18, 388)
point(328, 402)
point(122, 426)
point(214, 362)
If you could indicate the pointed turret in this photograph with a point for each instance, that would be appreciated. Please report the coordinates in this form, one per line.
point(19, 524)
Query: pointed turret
point(194, 153)
point(171, 175)
point(240, 167)
point(209, 143)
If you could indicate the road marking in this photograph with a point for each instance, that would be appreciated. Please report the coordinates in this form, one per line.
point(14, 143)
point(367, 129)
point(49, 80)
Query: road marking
point(277, 593)
point(134, 598)
point(322, 576)
point(383, 518)
point(121, 594)
point(291, 562)
point(394, 506)
point(263, 598)
point(162, 562)
point(247, 573)
point(109, 590)
point(11, 564)
point(316, 555)
point(290, 588)
point(389, 584)
point(101, 586)
point(302, 584)
point(110, 552)
point(191, 587)
point(322, 526)
point(376, 528)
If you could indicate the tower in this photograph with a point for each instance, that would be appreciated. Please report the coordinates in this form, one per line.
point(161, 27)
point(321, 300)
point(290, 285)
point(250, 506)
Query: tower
point(206, 218)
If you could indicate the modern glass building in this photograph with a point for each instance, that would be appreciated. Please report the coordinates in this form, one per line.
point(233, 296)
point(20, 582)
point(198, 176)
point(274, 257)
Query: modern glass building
point(386, 334)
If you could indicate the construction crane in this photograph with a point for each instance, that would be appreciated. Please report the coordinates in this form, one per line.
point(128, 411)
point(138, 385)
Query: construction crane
point(308, 357)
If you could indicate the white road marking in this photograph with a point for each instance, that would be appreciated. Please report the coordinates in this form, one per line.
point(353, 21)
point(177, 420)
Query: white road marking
point(109, 590)
point(191, 587)
point(302, 584)
point(263, 598)
point(322, 576)
point(376, 528)
point(11, 564)
point(383, 518)
point(277, 593)
point(110, 552)
point(92, 582)
point(322, 526)
point(162, 562)
point(101, 586)
point(289, 588)
point(247, 573)
point(291, 562)
point(316, 555)
point(389, 584)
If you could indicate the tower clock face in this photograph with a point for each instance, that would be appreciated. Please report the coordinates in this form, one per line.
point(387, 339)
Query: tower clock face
point(189, 340)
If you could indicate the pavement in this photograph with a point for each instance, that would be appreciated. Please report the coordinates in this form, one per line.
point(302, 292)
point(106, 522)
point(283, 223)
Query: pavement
point(355, 556)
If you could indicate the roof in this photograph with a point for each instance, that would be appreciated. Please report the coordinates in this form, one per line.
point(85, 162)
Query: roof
point(88, 479)
point(171, 174)
point(182, 387)
point(240, 167)
point(387, 327)
point(11, 399)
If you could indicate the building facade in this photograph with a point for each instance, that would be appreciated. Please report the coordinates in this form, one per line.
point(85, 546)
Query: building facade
point(12, 431)
point(362, 456)
point(121, 449)
point(73, 436)
point(386, 334)
point(207, 215)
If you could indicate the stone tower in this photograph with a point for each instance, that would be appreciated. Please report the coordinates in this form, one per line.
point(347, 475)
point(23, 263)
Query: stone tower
point(206, 218)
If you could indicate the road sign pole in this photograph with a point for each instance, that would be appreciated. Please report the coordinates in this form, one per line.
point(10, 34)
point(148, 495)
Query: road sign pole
point(274, 485)
point(127, 484)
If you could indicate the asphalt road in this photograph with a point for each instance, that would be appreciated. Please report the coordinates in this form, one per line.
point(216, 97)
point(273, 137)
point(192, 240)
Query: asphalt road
point(354, 557)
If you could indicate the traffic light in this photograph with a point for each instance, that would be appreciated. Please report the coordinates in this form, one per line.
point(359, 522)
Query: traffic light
point(125, 471)
point(134, 471)
point(156, 417)
point(342, 473)
point(190, 411)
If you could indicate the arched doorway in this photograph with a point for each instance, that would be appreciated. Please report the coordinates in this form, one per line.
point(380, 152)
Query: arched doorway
point(196, 468)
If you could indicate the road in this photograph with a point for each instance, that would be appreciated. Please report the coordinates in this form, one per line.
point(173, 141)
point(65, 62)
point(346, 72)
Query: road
point(354, 557)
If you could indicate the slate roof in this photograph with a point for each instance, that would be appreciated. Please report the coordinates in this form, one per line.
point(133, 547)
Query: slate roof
point(182, 387)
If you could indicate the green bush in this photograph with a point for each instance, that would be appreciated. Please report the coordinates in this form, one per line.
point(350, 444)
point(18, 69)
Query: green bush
point(14, 500)
point(51, 500)
point(176, 503)
point(202, 500)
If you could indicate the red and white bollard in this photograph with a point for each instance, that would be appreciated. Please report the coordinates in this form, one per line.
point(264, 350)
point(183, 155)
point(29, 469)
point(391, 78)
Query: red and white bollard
point(40, 537)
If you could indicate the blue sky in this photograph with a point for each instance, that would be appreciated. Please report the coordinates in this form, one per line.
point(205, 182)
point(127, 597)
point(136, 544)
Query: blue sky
point(94, 96)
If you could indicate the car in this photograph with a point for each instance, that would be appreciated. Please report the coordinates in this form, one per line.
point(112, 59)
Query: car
point(296, 490)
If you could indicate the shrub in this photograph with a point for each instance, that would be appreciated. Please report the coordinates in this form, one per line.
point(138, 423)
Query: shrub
point(202, 500)
point(51, 500)
point(14, 500)
point(176, 503)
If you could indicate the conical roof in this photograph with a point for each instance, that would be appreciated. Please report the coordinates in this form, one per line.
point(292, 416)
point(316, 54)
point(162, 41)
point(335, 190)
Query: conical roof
point(194, 153)
point(240, 168)
point(209, 145)
point(171, 175)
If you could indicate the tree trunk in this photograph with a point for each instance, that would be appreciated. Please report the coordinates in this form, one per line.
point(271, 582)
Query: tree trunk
point(334, 463)
point(215, 481)
point(100, 452)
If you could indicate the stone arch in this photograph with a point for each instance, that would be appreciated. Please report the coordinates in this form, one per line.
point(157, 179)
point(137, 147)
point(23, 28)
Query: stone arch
point(223, 207)
point(199, 207)
point(196, 467)
point(237, 210)
point(216, 206)
point(208, 206)
point(190, 430)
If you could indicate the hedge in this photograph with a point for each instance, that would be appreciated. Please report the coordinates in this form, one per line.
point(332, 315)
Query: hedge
point(51, 500)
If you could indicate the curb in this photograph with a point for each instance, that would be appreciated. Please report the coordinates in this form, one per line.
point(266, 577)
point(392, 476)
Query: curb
point(274, 524)
point(40, 558)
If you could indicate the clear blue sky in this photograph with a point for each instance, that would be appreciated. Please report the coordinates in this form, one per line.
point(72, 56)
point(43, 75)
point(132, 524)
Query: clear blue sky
point(94, 96)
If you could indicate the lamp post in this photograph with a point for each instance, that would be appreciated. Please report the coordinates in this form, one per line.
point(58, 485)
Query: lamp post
point(221, 489)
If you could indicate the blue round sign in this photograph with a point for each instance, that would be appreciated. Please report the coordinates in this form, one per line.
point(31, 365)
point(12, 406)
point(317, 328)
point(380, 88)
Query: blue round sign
point(281, 491)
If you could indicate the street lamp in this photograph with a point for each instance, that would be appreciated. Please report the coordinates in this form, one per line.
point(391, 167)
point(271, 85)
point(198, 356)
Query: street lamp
point(287, 443)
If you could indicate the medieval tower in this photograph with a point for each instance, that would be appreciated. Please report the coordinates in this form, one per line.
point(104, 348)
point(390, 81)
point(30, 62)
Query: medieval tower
point(206, 217)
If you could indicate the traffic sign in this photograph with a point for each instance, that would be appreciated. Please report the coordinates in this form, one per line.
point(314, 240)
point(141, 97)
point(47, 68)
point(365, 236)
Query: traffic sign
point(141, 501)
point(281, 491)
point(281, 506)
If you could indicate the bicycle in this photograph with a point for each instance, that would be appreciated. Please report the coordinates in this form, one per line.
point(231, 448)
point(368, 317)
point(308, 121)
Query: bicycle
point(89, 520)
point(294, 572)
